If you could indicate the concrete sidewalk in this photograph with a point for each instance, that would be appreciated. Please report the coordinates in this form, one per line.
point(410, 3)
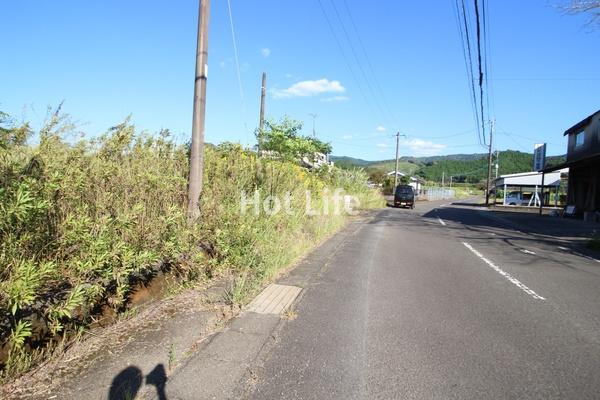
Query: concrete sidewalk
point(192, 346)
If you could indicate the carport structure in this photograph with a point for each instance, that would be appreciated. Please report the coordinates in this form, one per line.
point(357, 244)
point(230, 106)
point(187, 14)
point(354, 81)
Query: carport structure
point(534, 181)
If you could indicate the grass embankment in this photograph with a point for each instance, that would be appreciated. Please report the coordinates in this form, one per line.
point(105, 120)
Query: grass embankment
point(80, 224)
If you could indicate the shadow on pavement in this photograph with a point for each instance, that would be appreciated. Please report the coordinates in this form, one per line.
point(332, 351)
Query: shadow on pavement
point(571, 235)
point(463, 203)
point(127, 383)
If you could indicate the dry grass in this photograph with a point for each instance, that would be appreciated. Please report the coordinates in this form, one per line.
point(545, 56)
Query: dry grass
point(82, 223)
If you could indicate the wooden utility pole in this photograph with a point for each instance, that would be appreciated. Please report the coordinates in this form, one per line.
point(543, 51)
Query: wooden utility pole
point(489, 175)
point(197, 149)
point(261, 119)
point(396, 169)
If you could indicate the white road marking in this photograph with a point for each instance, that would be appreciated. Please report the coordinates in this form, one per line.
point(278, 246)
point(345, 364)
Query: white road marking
point(508, 276)
point(441, 221)
point(528, 251)
point(578, 254)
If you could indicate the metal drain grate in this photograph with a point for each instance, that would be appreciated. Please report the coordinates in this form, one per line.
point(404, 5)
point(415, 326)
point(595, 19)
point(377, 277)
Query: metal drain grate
point(274, 299)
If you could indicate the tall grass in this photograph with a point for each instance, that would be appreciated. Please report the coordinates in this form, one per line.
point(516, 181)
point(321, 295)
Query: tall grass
point(80, 222)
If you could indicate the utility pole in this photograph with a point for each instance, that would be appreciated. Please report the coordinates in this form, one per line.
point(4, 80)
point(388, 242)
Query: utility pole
point(314, 116)
point(197, 148)
point(396, 169)
point(261, 118)
point(443, 178)
point(497, 162)
point(397, 159)
point(489, 175)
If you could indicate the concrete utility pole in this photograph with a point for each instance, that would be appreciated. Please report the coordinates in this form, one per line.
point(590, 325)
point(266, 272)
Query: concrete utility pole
point(443, 178)
point(197, 149)
point(263, 91)
point(261, 118)
point(397, 159)
point(497, 162)
point(489, 175)
point(314, 116)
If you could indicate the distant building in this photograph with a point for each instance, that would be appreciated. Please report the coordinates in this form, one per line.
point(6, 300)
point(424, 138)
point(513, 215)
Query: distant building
point(416, 183)
point(318, 160)
point(583, 161)
point(529, 181)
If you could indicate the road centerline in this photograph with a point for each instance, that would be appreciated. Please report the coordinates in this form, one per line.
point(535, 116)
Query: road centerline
point(505, 274)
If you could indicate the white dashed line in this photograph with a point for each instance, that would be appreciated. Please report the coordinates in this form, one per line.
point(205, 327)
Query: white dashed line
point(441, 221)
point(508, 276)
point(528, 251)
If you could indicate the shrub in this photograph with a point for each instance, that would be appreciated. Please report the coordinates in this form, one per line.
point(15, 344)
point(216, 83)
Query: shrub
point(81, 222)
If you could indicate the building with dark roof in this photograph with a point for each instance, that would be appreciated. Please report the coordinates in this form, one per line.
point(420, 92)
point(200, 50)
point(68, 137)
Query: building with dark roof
point(583, 161)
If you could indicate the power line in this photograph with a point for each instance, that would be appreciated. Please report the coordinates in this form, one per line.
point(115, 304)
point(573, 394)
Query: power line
point(463, 29)
point(533, 140)
point(488, 62)
point(370, 65)
point(345, 57)
point(447, 136)
point(480, 66)
point(237, 65)
point(356, 58)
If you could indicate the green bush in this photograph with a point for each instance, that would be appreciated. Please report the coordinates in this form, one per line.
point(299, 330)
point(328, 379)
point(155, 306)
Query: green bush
point(80, 222)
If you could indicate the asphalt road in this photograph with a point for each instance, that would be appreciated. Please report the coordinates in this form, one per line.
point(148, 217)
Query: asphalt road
point(439, 302)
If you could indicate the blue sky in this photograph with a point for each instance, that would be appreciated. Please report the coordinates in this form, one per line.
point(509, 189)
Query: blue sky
point(113, 58)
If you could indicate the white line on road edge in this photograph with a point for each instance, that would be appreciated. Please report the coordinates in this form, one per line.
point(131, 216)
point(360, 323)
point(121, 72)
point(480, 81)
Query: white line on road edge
point(508, 276)
point(528, 251)
point(441, 221)
point(578, 254)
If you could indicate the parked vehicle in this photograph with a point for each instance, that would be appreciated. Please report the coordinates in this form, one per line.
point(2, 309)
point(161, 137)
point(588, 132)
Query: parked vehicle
point(518, 198)
point(404, 196)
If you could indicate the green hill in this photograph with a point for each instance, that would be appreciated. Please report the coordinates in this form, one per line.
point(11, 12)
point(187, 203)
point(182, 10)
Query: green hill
point(471, 168)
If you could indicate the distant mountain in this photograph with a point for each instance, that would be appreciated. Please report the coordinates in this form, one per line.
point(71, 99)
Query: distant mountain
point(470, 168)
point(349, 162)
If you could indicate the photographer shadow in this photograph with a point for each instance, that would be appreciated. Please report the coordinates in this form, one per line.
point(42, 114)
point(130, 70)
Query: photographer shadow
point(127, 383)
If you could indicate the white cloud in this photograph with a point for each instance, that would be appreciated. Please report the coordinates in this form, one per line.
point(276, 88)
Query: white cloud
point(288, 75)
point(266, 52)
point(310, 88)
point(347, 137)
point(222, 64)
point(380, 128)
point(382, 145)
point(422, 147)
point(335, 98)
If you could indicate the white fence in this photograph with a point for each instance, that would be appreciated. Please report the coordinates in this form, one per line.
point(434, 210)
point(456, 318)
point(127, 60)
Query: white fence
point(436, 193)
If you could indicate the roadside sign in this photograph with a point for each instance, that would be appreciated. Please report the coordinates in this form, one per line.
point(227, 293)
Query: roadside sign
point(539, 156)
